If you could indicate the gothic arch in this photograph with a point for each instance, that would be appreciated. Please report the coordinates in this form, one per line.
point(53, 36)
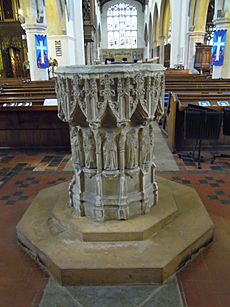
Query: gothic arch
point(164, 30)
point(191, 13)
point(155, 26)
point(165, 16)
point(197, 15)
point(150, 30)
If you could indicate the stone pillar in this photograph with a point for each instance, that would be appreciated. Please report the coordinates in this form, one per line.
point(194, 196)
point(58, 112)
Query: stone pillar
point(178, 32)
point(32, 29)
point(193, 38)
point(78, 33)
point(110, 109)
point(224, 70)
point(146, 54)
point(162, 50)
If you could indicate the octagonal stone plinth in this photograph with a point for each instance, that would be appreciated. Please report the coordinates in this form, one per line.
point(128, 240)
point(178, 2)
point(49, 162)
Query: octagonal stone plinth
point(116, 252)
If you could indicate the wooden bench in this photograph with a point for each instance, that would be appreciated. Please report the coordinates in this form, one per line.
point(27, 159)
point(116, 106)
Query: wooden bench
point(189, 89)
point(25, 122)
point(33, 127)
point(184, 83)
point(24, 94)
point(175, 123)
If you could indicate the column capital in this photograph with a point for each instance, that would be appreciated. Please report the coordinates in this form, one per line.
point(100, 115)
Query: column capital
point(34, 27)
point(196, 33)
point(222, 22)
point(162, 39)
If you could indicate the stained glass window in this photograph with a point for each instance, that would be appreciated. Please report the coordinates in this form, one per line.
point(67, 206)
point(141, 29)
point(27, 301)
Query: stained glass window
point(122, 26)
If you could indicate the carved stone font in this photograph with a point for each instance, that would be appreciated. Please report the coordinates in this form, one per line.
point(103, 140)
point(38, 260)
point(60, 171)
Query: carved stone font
point(110, 110)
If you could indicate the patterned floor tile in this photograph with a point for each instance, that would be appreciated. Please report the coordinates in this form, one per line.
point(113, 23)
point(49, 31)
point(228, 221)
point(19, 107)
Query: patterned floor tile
point(206, 280)
point(220, 164)
point(19, 274)
point(23, 175)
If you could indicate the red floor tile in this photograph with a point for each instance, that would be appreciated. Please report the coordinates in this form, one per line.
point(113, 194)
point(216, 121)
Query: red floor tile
point(21, 280)
point(205, 281)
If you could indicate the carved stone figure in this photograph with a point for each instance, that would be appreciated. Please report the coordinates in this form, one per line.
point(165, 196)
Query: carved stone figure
point(145, 146)
point(132, 149)
point(159, 96)
point(62, 95)
point(110, 152)
point(151, 135)
point(89, 149)
point(76, 146)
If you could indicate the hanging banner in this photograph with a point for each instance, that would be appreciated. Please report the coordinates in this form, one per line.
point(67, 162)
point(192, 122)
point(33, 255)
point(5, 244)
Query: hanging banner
point(219, 42)
point(41, 51)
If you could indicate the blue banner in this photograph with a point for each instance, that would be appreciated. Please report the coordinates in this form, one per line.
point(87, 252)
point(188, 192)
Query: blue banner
point(41, 51)
point(219, 42)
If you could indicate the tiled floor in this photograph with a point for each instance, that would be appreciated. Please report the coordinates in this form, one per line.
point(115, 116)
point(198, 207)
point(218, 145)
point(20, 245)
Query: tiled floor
point(204, 282)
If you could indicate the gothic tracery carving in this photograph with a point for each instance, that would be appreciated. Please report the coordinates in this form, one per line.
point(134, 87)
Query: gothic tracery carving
point(114, 170)
point(122, 95)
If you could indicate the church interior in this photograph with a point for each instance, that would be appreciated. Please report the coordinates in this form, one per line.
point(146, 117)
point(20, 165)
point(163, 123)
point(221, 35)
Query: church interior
point(187, 43)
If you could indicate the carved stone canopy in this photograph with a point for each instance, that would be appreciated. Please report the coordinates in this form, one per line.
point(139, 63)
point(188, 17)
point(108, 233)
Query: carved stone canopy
point(123, 89)
point(110, 109)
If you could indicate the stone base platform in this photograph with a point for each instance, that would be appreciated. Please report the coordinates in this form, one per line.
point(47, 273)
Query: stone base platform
point(145, 249)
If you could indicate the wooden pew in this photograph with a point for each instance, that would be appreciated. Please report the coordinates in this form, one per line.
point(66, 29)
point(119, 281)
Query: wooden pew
point(23, 94)
point(186, 77)
point(184, 89)
point(33, 127)
point(175, 123)
point(25, 122)
point(12, 81)
point(184, 84)
point(198, 87)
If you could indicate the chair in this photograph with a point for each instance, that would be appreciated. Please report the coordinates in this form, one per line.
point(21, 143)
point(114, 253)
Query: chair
point(200, 124)
point(226, 131)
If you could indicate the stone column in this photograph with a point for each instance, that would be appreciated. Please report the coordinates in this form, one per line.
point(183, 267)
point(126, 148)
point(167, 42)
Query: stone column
point(78, 33)
point(178, 31)
point(32, 29)
point(193, 38)
point(224, 70)
point(162, 50)
point(146, 54)
point(110, 109)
